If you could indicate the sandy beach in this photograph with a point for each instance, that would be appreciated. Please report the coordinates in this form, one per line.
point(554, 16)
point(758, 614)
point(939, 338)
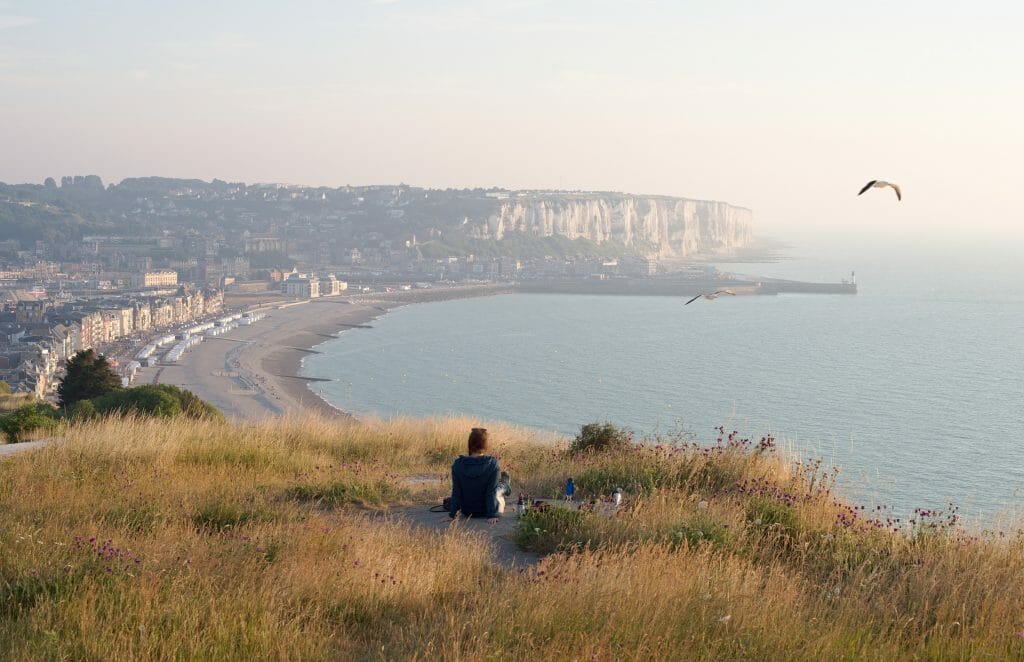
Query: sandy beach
point(252, 372)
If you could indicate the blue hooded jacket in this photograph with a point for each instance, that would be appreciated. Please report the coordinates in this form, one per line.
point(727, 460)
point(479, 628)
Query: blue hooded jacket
point(474, 483)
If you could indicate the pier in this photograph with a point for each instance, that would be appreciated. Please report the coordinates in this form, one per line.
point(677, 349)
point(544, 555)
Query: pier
point(682, 287)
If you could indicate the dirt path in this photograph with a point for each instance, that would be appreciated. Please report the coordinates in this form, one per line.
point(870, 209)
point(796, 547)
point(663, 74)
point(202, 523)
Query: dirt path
point(13, 449)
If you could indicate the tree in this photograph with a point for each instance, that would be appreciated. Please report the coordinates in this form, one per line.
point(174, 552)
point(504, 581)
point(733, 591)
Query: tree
point(88, 376)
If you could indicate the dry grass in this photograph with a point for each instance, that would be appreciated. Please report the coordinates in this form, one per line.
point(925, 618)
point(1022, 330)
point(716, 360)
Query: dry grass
point(11, 401)
point(194, 540)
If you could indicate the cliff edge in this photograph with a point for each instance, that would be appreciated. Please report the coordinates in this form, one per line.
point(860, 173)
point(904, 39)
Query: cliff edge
point(657, 226)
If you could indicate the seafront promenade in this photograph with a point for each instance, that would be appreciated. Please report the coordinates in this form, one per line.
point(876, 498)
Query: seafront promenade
point(252, 372)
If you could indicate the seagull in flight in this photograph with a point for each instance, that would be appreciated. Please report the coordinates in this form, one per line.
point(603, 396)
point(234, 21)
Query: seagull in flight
point(711, 296)
point(878, 183)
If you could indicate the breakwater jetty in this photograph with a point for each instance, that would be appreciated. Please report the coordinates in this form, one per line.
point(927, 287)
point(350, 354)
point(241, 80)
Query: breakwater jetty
point(682, 287)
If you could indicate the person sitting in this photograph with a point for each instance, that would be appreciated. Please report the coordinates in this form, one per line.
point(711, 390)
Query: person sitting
point(475, 481)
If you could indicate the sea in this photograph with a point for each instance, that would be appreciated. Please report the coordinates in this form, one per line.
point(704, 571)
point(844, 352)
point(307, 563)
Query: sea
point(913, 387)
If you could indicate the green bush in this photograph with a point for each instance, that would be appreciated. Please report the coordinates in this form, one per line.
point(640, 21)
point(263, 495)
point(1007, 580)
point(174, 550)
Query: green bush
point(83, 410)
point(5, 388)
point(149, 400)
point(600, 438)
point(29, 418)
point(192, 406)
point(159, 400)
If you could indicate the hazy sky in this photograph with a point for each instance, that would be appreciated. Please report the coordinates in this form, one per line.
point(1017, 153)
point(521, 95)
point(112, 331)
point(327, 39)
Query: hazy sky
point(784, 107)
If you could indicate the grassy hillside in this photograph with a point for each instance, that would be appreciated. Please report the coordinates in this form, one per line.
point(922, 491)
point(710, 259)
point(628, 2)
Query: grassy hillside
point(196, 540)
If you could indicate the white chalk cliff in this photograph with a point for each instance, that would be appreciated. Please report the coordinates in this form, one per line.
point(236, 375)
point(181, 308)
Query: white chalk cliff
point(653, 225)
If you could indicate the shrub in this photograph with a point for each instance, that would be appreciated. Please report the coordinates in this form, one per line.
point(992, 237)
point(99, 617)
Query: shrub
point(149, 400)
point(600, 438)
point(5, 388)
point(192, 406)
point(17, 424)
point(83, 410)
point(160, 400)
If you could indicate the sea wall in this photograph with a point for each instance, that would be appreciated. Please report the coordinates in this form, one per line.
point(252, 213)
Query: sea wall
point(656, 226)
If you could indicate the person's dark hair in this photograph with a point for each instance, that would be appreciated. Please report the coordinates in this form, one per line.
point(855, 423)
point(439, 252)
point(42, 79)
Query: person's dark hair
point(477, 440)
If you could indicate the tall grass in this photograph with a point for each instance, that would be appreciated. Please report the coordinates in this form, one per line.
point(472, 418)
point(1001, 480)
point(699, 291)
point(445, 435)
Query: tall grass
point(197, 540)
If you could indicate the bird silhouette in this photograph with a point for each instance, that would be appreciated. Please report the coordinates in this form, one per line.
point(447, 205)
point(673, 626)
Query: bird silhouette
point(878, 183)
point(711, 296)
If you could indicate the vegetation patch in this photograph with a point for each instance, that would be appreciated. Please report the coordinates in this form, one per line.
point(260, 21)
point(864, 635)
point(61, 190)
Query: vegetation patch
point(219, 515)
point(156, 400)
point(135, 518)
point(701, 530)
point(19, 593)
point(555, 529)
point(767, 514)
point(346, 492)
point(601, 438)
point(631, 471)
point(38, 417)
point(722, 551)
point(248, 457)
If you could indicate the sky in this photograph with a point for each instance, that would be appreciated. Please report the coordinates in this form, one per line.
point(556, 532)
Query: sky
point(787, 108)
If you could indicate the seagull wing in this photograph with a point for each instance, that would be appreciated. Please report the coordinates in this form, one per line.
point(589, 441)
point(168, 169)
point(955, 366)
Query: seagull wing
point(868, 185)
point(899, 195)
point(729, 292)
point(693, 299)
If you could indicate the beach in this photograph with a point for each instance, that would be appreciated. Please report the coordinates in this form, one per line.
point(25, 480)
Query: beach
point(252, 372)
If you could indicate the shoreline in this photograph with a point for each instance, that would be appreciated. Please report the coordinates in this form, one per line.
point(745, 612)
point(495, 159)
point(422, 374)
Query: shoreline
point(253, 372)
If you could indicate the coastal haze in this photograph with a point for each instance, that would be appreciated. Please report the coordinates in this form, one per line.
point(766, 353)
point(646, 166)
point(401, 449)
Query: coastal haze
point(582, 148)
point(786, 110)
point(727, 298)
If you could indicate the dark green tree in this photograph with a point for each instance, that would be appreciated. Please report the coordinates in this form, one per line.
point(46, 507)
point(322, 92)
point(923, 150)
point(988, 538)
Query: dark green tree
point(88, 376)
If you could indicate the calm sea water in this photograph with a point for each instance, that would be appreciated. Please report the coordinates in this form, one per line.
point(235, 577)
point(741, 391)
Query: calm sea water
point(914, 387)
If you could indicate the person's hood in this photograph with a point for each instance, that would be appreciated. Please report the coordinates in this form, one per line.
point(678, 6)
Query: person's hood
point(475, 466)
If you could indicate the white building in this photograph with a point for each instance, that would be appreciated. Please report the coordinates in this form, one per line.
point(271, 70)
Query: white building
point(155, 279)
point(301, 286)
point(331, 286)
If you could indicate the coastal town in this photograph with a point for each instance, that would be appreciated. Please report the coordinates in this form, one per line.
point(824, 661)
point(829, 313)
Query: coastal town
point(138, 270)
point(152, 262)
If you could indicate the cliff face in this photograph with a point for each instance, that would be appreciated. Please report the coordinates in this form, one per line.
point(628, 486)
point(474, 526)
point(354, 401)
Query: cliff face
point(656, 226)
